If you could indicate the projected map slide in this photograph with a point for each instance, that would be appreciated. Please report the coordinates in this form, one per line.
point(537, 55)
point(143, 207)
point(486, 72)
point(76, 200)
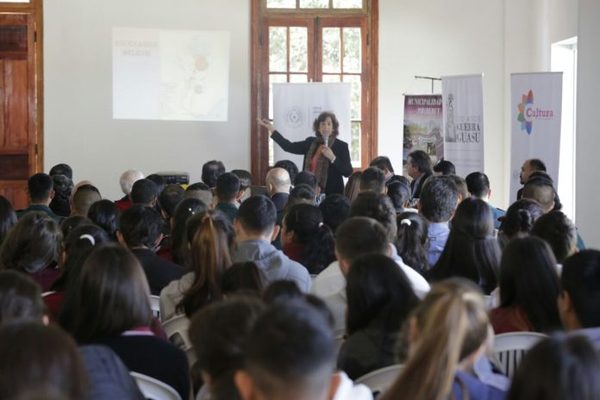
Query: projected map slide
point(170, 75)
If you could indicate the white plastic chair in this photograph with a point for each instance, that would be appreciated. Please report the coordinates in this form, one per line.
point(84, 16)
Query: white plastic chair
point(509, 349)
point(176, 329)
point(380, 380)
point(154, 389)
point(155, 305)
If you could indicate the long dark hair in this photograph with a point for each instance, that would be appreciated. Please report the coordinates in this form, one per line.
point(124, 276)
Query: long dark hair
point(179, 244)
point(8, 217)
point(558, 368)
point(112, 297)
point(377, 289)
point(412, 240)
point(470, 252)
point(306, 223)
point(209, 255)
point(528, 279)
point(107, 216)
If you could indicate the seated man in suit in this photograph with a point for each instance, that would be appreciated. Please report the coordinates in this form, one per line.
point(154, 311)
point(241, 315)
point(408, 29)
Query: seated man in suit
point(141, 232)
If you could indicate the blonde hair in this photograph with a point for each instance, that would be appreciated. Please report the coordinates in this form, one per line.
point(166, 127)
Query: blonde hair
point(452, 322)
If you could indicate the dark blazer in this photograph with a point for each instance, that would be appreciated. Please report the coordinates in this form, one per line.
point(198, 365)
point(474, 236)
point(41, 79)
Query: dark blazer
point(416, 186)
point(159, 272)
point(339, 168)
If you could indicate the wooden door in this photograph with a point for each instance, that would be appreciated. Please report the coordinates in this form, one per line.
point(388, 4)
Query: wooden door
point(19, 133)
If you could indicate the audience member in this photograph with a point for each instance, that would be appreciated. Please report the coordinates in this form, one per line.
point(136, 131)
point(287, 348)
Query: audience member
point(418, 167)
point(70, 223)
point(352, 187)
point(33, 247)
point(245, 183)
point(126, 181)
point(579, 300)
point(399, 192)
point(144, 192)
point(478, 185)
point(335, 209)
point(62, 169)
point(83, 199)
point(112, 308)
point(380, 297)
point(201, 192)
point(210, 237)
point(444, 167)
point(528, 288)
point(471, 251)
point(107, 216)
point(461, 185)
point(141, 232)
point(372, 179)
point(8, 218)
point(518, 220)
point(308, 178)
point(558, 368)
point(179, 243)
point(529, 167)
point(278, 187)
point(228, 192)
point(559, 232)
point(63, 188)
point(40, 362)
point(289, 355)
point(169, 198)
point(289, 166)
point(448, 333)
point(159, 181)
point(20, 299)
point(301, 194)
point(438, 201)
point(412, 240)
point(77, 246)
point(241, 278)
point(218, 334)
point(211, 170)
point(41, 191)
point(255, 228)
point(384, 164)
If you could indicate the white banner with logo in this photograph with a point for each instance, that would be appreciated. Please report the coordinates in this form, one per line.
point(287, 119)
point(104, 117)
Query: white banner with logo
point(297, 105)
point(536, 104)
point(463, 122)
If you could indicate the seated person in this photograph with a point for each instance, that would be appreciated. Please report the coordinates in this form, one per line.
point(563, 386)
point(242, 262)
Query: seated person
point(126, 181)
point(255, 228)
point(228, 194)
point(83, 199)
point(20, 299)
point(211, 170)
point(478, 185)
point(559, 232)
point(335, 209)
point(451, 324)
point(144, 192)
point(518, 220)
point(141, 232)
point(290, 355)
point(41, 191)
point(372, 179)
point(245, 183)
point(200, 191)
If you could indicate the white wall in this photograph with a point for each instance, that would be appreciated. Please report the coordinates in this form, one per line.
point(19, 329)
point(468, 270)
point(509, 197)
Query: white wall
point(79, 128)
point(588, 122)
point(436, 38)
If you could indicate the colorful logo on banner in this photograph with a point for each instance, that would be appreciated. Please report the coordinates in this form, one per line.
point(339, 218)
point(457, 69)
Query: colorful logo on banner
point(528, 113)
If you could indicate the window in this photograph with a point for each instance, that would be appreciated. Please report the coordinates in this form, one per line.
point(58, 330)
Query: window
point(315, 41)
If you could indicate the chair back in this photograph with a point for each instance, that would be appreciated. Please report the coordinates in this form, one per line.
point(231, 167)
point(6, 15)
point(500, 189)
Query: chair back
point(380, 380)
point(155, 306)
point(154, 389)
point(509, 349)
point(176, 329)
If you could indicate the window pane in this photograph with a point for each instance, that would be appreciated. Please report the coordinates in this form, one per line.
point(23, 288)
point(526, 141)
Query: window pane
point(355, 95)
point(298, 49)
point(314, 3)
point(298, 78)
point(331, 50)
point(274, 78)
point(281, 3)
point(355, 143)
point(347, 3)
point(352, 50)
point(331, 78)
point(277, 49)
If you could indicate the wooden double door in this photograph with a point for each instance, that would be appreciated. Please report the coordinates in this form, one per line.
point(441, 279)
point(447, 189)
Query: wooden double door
point(20, 99)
